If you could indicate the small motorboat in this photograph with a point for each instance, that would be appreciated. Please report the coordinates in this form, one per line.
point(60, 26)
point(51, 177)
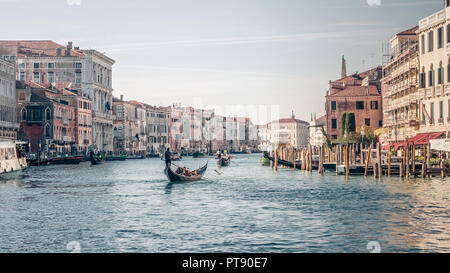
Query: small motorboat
point(224, 161)
point(69, 160)
point(199, 155)
point(265, 161)
point(173, 176)
point(39, 162)
point(95, 160)
point(116, 158)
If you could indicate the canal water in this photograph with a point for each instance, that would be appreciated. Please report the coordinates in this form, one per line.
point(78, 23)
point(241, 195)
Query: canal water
point(129, 206)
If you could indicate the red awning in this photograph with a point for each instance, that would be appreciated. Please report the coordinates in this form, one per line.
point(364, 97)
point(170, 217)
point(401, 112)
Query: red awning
point(420, 139)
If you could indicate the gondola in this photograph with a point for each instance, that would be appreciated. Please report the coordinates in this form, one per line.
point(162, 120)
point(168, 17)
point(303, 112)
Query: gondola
point(174, 177)
point(95, 160)
point(224, 162)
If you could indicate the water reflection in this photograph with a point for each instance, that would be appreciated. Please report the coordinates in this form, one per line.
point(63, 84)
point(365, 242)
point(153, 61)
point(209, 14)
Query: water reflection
point(131, 207)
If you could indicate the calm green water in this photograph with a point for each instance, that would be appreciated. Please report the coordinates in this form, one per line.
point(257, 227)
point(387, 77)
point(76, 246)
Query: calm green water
point(130, 207)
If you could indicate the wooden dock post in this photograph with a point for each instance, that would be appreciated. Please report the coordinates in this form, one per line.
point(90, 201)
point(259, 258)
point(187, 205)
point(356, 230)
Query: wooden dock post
point(403, 163)
point(347, 163)
point(276, 159)
point(379, 167)
point(309, 158)
point(407, 159)
point(389, 160)
point(367, 161)
point(294, 157)
point(441, 165)
point(429, 159)
point(424, 163)
point(413, 154)
point(303, 159)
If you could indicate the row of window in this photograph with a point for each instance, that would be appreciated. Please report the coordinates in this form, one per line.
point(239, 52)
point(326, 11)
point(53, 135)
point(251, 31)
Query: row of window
point(429, 78)
point(359, 105)
point(7, 88)
point(367, 122)
point(429, 45)
point(49, 65)
point(39, 78)
point(440, 112)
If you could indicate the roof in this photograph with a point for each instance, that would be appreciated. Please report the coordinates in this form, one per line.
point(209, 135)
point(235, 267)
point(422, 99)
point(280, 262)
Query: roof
point(41, 48)
point(411, 31)
point(321, 120)
point(289, 120)
point(356, 78)
point(356, 91)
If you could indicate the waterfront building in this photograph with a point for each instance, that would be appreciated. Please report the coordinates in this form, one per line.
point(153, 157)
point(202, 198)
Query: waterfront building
point(316, 136)
point(43, 62)
point(130, 127)
point(217, 134)
point(400, 88)
point(9, 125)
point(264, 138)
point(47, 120)
point(158, 129)
point(289, 131)
point(139, 118)
point(83, 116)
point(360, 94)
point(434, 78)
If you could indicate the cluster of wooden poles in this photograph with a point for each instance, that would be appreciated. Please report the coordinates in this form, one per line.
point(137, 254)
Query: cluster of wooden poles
point(293, 155)
point(349, 155)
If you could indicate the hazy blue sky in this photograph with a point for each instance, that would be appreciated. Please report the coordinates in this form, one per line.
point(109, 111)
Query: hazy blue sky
point(227, 52)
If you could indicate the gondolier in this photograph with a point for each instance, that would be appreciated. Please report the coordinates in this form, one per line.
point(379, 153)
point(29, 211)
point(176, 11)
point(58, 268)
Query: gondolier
point(168, 157)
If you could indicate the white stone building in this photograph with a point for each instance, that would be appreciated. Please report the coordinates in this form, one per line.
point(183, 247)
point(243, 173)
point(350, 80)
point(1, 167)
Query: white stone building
point(434, 77)
point(8, 100)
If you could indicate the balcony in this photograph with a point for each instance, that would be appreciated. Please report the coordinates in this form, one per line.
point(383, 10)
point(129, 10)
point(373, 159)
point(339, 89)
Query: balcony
point(429, 92)
point(447, 88)
point(439, 90)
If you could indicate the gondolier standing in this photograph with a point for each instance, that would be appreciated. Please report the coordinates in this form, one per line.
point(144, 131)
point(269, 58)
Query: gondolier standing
point(168, 157)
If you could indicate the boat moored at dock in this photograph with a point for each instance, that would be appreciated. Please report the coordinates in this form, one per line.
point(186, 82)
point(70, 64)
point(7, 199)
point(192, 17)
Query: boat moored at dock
point(12, 158)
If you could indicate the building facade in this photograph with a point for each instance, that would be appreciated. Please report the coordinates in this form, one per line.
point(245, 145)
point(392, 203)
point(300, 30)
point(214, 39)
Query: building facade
point(289, 131)
point(47, 120)
point(434, 69)
point(43, 62)
point(8, 100)
point(357, 94)
point(158, 128)
point(316, 136)
point(264, 138)
point(400, 88)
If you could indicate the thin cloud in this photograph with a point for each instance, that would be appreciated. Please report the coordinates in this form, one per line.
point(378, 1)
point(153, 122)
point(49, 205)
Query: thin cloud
point(239, 40)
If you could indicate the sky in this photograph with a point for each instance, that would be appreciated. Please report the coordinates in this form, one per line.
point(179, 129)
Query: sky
point(253, 54)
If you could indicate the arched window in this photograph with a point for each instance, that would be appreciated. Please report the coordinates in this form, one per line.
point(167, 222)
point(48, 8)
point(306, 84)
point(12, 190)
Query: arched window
point(24, 114)
point(48, 114)
point(48, 131)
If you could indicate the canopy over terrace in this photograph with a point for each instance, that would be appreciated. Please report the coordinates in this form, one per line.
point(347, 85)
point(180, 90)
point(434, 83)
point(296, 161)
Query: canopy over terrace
point(420, 139)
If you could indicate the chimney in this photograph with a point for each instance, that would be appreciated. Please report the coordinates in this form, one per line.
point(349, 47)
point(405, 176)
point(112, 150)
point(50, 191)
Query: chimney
point(69, 45)
point(58, 52)
point(121, 97)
